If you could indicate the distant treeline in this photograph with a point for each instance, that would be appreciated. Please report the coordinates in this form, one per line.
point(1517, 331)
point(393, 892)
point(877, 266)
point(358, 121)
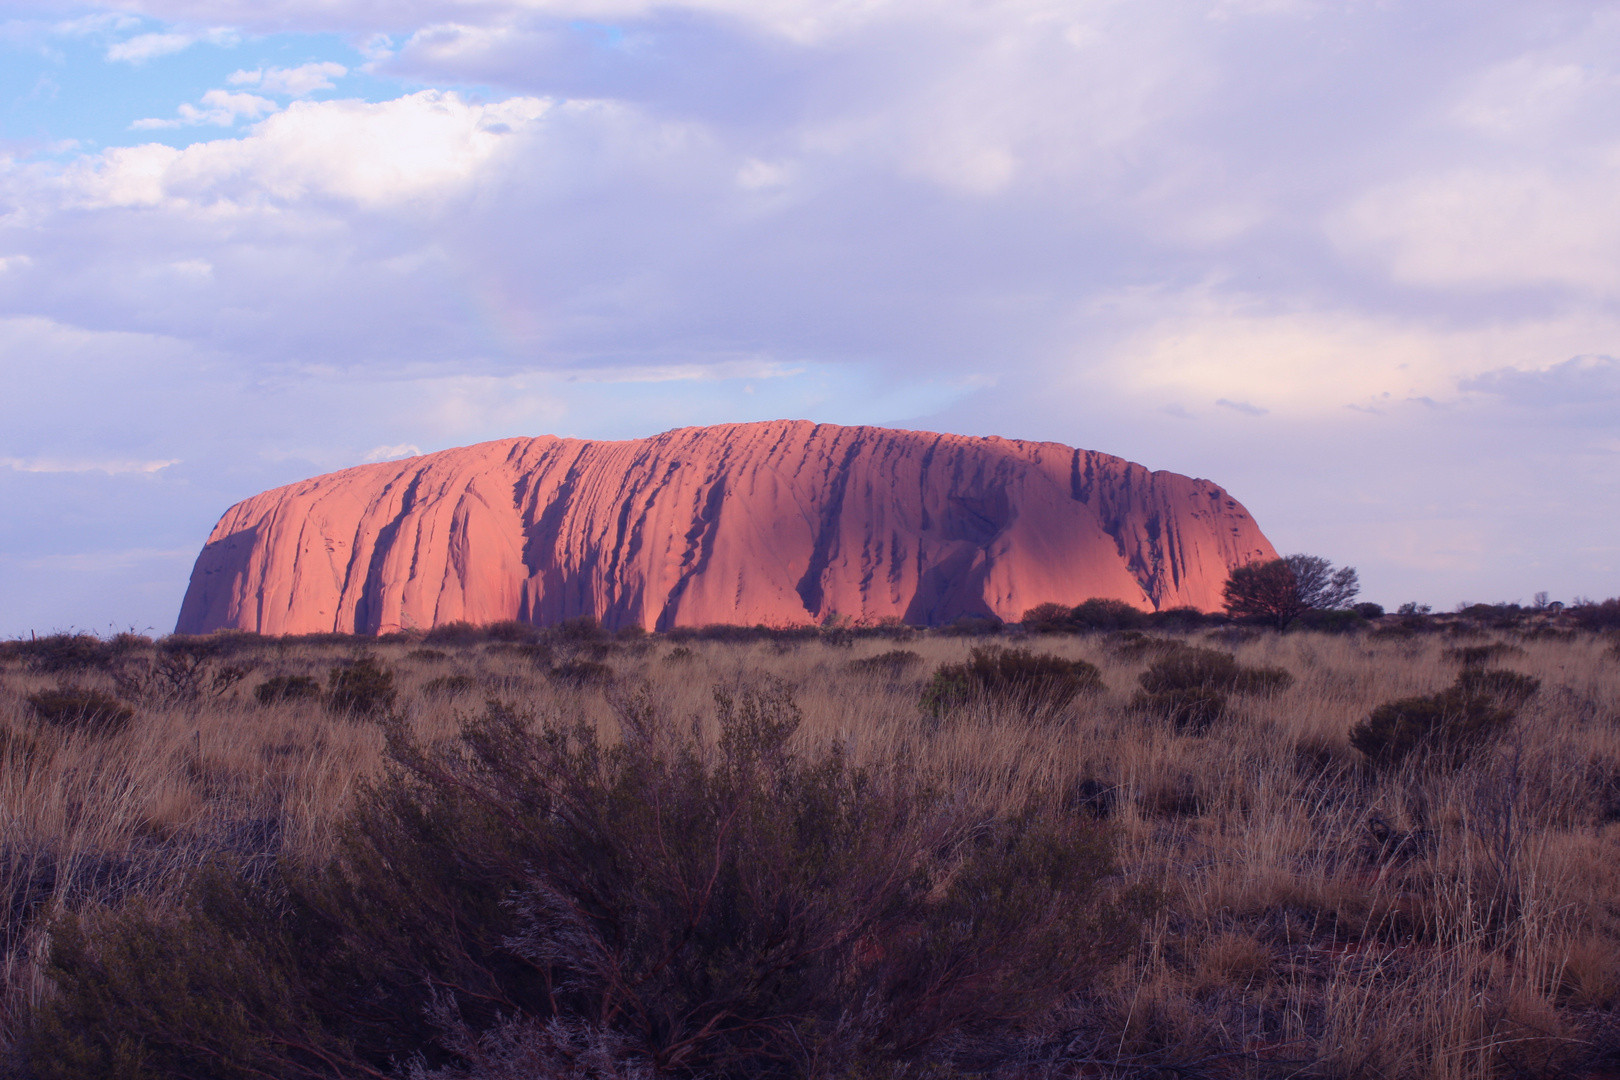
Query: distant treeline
point(79, 649)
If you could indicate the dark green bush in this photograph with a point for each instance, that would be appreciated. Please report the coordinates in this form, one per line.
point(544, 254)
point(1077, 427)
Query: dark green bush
point(1193, 668)
point(582, 673)
point(361, 686)
point(1481, 655)
point(680, 654)
point(1047, 618)
point(1331, 622)
point(1369, 610)
point(80, 709)
point(62, 652)
point(280, 688)
point(1014, 676)
point(1447, 727)
point(973, 626)
point(1135, 645)
point(893, 664)
point(1595, 615)
point(1191, 709)
point(1179, 618)
point(1101, 614)
point(449, 685)
point(585, 628)
point(512, 630)
point(455, 633)
point(657, 907)
point(1190, 685)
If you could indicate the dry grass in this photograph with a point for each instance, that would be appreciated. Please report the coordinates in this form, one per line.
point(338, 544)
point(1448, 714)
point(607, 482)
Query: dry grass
point(1406, 924)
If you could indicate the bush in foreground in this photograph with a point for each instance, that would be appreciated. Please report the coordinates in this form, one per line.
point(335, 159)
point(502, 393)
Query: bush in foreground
point(1190, 685)
point(1448, 727)
point(279, 688)
point(82, 710)
point(361, 686)
point(658, 907)
point(1015, 676)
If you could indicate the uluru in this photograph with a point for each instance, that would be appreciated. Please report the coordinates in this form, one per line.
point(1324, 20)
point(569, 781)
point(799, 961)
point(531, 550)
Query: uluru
point(781, 523)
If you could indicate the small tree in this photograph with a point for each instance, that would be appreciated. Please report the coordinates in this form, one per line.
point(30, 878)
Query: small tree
point(1282, 590)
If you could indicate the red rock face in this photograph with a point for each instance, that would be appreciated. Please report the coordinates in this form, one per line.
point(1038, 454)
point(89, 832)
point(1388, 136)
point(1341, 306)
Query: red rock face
point(780, 523)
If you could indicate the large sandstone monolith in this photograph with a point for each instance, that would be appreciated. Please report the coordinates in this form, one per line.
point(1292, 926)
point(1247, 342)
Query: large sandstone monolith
point(781, 523)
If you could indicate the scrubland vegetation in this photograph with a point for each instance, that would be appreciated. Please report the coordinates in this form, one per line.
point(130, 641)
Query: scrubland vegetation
point(1123, 845)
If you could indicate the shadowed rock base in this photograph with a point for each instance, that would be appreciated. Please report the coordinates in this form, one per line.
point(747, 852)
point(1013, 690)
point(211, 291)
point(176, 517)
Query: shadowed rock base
point(781, 523)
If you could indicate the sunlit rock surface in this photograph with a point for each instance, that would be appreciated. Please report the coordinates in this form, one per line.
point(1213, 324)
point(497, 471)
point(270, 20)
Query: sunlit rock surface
point(781, 523)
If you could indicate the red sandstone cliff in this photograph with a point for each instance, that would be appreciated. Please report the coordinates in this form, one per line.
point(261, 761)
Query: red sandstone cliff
point(780, 523)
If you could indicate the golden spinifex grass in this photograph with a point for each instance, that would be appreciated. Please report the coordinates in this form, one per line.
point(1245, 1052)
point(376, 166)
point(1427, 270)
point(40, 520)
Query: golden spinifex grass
point(1317, 915)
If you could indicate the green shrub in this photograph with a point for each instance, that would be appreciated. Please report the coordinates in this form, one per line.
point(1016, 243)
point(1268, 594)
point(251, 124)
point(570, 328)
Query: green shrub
point(973, 626)
point(1594, 615)
point(1015, 676)
point(582, 673)
point(1135, 645)
point(280, 688)
point(1369, 610)
point(455, 633)
point(62, 652)
point(1100, 614)
point(512, 630)
point(361, 686)
point(80, 709)
point(656, 907)
point(1481, 655)
point(585, 628)
point(1178, 618)
point(1046, 618)
point(680, 654)
point(1191, 709)
point(1193, 668)
point(449, 685)
point(893, 664)
point(1190, 685)
point(1446, 727)
point(1331, 622)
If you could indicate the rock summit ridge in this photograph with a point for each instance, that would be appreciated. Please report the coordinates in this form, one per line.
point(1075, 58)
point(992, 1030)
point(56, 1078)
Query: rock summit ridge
point(781, 523)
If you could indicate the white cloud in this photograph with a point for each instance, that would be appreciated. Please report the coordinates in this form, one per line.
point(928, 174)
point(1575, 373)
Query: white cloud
point(220, 108)
point(390, 453)
point(144, 47)
point(114, 467)
point(370, 153)
point(291, 82)
point(1494, 228)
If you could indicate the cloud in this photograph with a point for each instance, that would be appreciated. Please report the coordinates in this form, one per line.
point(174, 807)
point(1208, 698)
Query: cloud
point(1241, 406)
point(291, 82)
point(390, 453)
point(144, 47)
point(373, 153)
point(1582, 380)
point(111, 468)
point(221, 108)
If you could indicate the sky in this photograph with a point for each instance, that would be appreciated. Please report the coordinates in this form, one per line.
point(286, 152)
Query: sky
point(1356, 261)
